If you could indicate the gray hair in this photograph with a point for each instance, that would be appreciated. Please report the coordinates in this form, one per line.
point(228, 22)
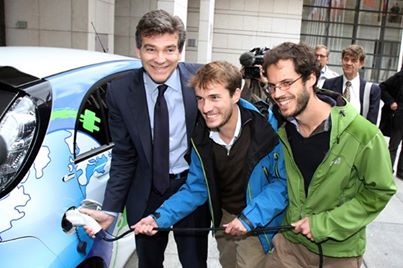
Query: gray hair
point(319, 46)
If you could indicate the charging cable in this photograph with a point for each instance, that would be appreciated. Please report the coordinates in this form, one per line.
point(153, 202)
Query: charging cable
point(80, 219)
point(256, 231)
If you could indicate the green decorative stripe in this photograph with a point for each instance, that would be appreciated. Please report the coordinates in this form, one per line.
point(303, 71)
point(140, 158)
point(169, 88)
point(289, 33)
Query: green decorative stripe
point(63, 114)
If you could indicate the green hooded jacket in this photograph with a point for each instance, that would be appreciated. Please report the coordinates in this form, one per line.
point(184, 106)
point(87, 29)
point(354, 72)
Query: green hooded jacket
point(349, 188)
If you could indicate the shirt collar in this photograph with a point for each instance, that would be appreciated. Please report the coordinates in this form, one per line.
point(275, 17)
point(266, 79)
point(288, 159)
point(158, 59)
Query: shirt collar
point(215, 135)
point(172, 82)
point(325, 125)
point(355, 81)
point(324, 69)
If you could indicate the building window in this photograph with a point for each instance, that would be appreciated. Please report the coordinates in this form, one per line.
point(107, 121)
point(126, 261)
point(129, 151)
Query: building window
point(373, 24)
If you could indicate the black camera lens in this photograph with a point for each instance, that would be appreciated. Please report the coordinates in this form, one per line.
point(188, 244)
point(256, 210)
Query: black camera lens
point(259, 59)
point(252, 72)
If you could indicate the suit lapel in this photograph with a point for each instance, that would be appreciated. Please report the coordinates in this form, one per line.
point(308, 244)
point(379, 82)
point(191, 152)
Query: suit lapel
point(339, 84)
point(137, 102)
point(362, 87)
point(189, 99)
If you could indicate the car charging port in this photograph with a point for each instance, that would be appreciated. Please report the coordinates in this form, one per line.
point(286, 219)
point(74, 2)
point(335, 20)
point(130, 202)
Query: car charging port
point(67, 226)
point(76, 218)
point(72, 219)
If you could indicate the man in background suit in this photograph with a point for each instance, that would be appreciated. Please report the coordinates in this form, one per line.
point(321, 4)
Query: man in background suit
point(364, 96)
point(392, 96)
point(322, 56)
point(132, 100)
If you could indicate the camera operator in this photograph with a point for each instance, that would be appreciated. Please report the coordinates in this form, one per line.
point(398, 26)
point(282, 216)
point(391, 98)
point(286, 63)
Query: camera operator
point(254, 88)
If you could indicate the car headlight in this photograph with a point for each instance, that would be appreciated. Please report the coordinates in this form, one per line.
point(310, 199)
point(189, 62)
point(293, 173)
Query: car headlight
point(17, 130)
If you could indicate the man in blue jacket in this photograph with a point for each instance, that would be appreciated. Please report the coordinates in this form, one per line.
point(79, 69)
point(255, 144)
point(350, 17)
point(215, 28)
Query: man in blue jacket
point(236, 164)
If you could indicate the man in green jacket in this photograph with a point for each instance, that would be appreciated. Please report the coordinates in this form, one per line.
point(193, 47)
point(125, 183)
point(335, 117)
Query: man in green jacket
point(338, 166)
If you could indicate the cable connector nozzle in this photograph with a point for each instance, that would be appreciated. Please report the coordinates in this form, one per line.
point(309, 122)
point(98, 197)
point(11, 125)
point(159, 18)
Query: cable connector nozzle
point(80, 219)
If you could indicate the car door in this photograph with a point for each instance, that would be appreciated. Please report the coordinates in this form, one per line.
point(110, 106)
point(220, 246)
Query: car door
point(92, 144)
point(92, 159)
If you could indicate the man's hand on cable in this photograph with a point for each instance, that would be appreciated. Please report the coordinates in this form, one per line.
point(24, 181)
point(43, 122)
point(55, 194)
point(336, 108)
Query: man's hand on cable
point(302, 226)
point(103, 219)
point(145, 226)
point(235, 227)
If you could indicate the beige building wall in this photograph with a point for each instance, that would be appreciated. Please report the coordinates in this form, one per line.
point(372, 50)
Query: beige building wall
point(200, 27)
point(217, 29)
point(244, 24)
point(127, 15)
point(60, 23)
point(240, 25)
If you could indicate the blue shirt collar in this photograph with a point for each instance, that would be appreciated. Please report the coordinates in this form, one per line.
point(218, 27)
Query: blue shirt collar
point(173, 81)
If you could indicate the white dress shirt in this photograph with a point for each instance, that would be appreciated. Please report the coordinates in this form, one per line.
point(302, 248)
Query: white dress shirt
point(178, 142)
point(325, 73)
point(215, 135)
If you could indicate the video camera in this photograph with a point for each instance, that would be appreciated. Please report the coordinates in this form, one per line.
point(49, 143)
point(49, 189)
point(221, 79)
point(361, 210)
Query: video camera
point(249, 59)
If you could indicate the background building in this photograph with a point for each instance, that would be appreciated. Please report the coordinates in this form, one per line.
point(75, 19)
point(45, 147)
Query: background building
point(374, 24)
point(217, 29)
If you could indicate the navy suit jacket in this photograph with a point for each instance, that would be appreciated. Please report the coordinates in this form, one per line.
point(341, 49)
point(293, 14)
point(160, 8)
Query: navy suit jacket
point(336, 84)
point(131, 169)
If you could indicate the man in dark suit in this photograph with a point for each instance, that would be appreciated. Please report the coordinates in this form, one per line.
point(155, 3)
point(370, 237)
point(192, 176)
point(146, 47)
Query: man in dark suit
point(136, 103)
point(363, 95)
point(392, 96)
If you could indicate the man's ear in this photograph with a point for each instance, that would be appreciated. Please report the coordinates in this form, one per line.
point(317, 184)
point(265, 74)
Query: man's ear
point(362, 62)
point(311, 80)
point(138, 52)
point(237, 95)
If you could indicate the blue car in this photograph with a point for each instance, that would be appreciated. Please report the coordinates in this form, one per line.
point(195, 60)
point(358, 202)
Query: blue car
point(55, 155)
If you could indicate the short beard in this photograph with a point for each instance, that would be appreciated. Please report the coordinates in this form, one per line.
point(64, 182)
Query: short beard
point(302, 102)
point(223, 123)
point(226, 120)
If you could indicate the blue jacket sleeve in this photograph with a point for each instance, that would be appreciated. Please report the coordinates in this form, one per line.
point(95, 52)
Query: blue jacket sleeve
point(267, 207)
point(190, 195)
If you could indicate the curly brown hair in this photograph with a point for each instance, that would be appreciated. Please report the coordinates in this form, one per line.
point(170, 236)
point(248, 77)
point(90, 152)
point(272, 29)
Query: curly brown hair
point(302, 55)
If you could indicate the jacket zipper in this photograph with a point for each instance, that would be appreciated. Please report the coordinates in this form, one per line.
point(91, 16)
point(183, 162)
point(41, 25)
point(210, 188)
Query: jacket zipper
point(205, 179)
point(286, 145)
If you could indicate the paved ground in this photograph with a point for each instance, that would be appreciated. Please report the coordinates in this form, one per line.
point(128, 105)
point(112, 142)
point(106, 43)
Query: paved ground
point(385, 235)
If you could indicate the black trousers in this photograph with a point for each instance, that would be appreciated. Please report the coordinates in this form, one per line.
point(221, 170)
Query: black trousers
point(396, 136)
point(192, 247)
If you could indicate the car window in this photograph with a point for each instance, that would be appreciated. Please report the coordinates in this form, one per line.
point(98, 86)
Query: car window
point(92, 120)
point(91, 135)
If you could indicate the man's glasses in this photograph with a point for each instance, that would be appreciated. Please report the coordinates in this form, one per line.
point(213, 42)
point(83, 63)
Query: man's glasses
point(283, 85)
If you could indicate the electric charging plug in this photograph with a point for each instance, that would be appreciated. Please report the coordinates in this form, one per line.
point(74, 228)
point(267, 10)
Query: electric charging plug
point(80, 219)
